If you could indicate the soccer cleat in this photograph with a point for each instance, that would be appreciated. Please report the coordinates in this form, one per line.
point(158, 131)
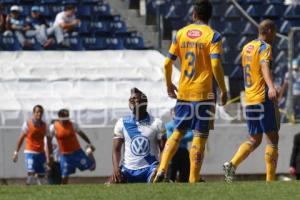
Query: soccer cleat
point(229, 172)
point(160, 177)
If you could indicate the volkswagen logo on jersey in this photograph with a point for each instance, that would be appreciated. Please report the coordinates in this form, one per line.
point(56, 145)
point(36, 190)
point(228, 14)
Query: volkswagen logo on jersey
point(140, 146)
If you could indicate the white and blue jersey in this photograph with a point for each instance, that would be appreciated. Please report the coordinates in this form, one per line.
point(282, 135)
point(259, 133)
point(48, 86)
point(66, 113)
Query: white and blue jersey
point(141, 140)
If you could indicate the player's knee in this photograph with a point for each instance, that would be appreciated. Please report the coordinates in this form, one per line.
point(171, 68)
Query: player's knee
point(272, 139)
point(255, 142)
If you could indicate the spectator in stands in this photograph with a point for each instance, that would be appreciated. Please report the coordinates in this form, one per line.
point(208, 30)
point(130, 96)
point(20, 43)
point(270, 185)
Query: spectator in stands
point(181, 161)
point(295, 86)
point(2, 19)
point(72, 156)
point(295, 157)
point(66, 20)
point(16, 25)
point(40, 27)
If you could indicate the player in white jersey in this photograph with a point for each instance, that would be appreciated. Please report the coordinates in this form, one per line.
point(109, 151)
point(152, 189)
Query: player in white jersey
point(142, 135)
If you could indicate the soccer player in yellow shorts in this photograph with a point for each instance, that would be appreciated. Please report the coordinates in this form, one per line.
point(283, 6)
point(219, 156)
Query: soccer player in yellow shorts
point(261, 102)
point(199, 49)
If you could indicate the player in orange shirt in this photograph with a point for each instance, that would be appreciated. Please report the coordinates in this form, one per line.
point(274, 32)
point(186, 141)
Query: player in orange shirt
point(72, 156)
point(199, 49)
point(261, 102)
point(34, 131)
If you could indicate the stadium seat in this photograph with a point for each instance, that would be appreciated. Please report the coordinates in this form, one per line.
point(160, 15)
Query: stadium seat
point(84, 27)
point(282, 44)
point(75, 43)
point(100, 27)
point(50, 1)
point(285, 27)
point(253, 1)
point(118, 27)
point(9, 1)
point(94, 43)
point(134, 43)
point(91, 1)
point(10, 43)
point(101, 10)
point(54, 9)
point(84, 11)
point(254, 11)
point(114, 43)
point(291, 13)
point(25, 10)
point(281, 58)
point(74, 2)
point(249, 29)
point(271, 12)
point(275, 2)
point(232, 12)
point(242, 42)
point(35, 45)
point(229, 30)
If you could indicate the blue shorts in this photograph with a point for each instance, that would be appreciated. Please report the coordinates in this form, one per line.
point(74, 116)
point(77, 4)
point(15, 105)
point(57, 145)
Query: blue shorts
point(263, 118)
point(35, 163)
point(197, 116)
point(77, 159)
point(141, 175)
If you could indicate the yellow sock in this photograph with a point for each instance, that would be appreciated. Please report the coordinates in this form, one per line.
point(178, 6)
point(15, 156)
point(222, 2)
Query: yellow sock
point(196, 158)
point(271, 158)
point(169, 150)
point(245, 149)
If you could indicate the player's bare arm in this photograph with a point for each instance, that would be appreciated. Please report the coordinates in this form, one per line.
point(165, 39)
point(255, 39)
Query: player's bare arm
point(171, 88)
point(19, 145)
point(218, 73)
point(116, 158)
point(265, 68)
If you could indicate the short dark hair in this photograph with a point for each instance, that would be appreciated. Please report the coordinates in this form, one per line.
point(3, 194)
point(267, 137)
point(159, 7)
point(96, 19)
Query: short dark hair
point(62, 112)
point(38, 106)
point(266, 25)
point(69, 7)
point(203, 9)
point(137, 91)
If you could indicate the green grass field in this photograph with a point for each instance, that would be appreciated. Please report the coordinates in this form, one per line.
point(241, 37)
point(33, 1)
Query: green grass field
point(215, 191)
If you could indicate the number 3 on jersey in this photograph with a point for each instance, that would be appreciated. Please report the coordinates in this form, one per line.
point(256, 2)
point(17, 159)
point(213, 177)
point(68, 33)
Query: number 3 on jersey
point(247, 76)
point(190, 56)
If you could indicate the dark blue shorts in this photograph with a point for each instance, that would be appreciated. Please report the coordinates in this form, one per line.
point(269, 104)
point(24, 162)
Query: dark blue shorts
point(197, 116)
point(77, 159)
point(263, 118)
point(141, 175)
point(35, 163)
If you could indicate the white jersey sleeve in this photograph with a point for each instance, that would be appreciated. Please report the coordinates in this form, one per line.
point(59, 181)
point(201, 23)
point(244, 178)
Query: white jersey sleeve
point(119, 129)
point(25, 128)
point(59, 19)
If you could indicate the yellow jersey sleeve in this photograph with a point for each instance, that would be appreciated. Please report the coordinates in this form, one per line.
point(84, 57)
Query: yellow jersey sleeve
point(216, 46)
point(265, 53)
point(174, 49)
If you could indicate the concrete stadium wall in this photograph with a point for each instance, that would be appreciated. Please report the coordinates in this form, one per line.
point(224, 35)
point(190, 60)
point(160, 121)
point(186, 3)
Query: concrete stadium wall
point(222, 144)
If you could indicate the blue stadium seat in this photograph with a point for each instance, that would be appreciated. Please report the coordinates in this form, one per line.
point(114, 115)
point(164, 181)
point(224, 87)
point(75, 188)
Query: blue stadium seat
point(134, 43)
point(281, 58)
point(94, 43)
point(54, 9)
point(285, 27)
point(84, 27)
point(75, 43)
point(84, 11)
point(229, 30)
point(90, 1)
point(100, 27)
point(114, 43)
point(46, 11)
point(219, 10)
point(272, 12)
point(238, 59)
point(282, 44)
point(74, 2)
point(254, 11)
point(254, 2)
point(242, 42)
point(291, 13)
point(10, 43)
point(275, 2)
point(249, 29)
point(101, 10)
point(50, 1)
point(118, 27)
point(232, 12)
point(9, 1)
point(25, 10)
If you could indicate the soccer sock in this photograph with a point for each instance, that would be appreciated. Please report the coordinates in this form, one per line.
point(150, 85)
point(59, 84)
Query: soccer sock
point(30, 180)
point(271, 157)
point(245, 149)
point(170, 149)
point(196, 158)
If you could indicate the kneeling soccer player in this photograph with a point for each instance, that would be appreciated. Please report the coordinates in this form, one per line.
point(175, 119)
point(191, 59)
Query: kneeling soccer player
point(34, 131)
point(72, 156)
point(142, 135)
point(261, 99)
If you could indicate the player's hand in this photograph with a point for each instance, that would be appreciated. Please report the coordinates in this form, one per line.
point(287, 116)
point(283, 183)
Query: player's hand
point(172, 89)
point(292, 171)
point(15, 156)
point(223, 96)
point(50, 162)
point(118, 176)
point(273, 94)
